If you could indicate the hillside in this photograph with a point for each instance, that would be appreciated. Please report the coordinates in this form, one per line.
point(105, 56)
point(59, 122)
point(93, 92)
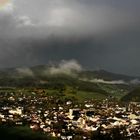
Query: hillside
point(46, 71)
point(134, 95)
point(100, 82)
point(107, 76)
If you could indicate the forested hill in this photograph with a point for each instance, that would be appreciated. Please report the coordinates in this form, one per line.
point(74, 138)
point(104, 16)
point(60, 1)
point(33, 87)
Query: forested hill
point(45, 76)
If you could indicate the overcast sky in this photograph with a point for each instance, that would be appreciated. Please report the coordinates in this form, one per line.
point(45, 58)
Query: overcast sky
point(99, 34)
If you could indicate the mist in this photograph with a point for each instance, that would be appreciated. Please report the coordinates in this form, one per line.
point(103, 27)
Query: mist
point(25, 72)
point(66, 67)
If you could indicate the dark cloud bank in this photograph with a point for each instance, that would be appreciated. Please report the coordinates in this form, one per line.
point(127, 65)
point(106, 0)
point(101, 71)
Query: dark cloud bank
point(101, 34)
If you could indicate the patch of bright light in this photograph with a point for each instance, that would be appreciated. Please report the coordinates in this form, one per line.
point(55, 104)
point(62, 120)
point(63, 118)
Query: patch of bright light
point(4, 3)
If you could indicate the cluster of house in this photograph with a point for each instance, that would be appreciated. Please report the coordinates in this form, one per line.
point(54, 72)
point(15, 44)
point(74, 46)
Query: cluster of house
point(65, 121)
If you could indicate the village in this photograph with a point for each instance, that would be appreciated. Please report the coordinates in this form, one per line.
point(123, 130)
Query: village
point(69, 120)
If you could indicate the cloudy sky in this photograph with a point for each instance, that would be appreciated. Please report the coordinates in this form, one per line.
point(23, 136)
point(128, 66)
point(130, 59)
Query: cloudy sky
point(99, 34)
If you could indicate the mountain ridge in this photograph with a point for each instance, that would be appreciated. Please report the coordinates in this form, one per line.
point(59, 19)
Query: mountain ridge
point(101, 82)
point(44, 70)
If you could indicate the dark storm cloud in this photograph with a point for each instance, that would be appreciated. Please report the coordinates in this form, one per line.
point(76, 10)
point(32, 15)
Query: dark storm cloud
point(97, 33)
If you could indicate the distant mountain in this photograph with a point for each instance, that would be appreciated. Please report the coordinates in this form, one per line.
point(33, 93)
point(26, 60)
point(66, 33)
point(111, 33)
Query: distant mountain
point(45, 72)
point(107, 76)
